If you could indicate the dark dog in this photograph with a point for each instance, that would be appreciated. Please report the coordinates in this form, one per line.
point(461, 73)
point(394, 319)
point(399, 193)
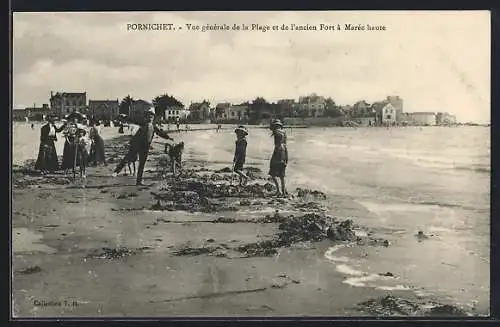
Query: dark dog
point(131, 157)
point(174, 153)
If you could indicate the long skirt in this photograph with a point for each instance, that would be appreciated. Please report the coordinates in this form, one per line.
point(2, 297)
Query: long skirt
point(277, 166)
point(97, 152)
point(69, 156)
point(47, 157)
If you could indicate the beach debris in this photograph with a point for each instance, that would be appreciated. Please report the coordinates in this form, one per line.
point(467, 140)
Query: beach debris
point(390, 305)
point(29, 270)
point(276, 218)
point(447, 310)
point(128, 209)
point(309, 206)
point(304, 192)
point(126, 195)
point(302, 229)
point(315, 227)
point(387, 274)
point(217, 251)
point(260, 249)
point(421, 236)
point(194, 251)
point(224, 170)
point(282, 280)
point(108, 253)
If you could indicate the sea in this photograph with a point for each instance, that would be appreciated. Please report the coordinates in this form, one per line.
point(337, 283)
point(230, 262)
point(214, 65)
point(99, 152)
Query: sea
point(404, 179)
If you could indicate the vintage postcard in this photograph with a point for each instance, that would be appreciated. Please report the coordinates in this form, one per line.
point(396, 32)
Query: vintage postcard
point(308, 163)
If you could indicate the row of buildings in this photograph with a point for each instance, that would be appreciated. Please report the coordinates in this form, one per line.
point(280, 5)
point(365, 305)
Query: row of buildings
point(64, 103)
point(386, 112)
point(390, 112)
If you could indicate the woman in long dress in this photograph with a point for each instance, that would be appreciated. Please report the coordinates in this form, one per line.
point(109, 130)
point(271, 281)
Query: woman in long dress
point(70, 146)
point(47, 155)
point(97, 150)
point(279, 159)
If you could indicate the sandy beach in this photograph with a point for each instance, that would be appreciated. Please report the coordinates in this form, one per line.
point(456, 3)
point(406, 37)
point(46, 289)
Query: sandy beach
point(196, 245)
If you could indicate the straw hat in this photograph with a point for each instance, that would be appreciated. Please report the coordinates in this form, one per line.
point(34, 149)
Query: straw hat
point(276, 122)
point(241, 129)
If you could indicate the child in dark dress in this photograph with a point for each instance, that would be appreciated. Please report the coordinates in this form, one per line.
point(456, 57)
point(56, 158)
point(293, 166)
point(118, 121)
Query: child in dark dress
point(240, 153)
point(279, 159)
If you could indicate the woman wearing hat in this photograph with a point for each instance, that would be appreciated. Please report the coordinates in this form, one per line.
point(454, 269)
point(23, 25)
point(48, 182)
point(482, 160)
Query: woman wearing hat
point(47, 155)
point(279, 159)
point(72, 134)
point(240, 153)
point(97, 149)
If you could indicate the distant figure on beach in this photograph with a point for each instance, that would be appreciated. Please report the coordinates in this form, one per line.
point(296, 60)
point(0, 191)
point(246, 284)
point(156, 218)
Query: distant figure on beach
point(279, 159)
point(97, 156)
point(47, 155)
point(141, 143)
point(32, 126)
point(218, 127)
point(120, 129)
point(178, 125)
point(70, 146)
point(240, 152)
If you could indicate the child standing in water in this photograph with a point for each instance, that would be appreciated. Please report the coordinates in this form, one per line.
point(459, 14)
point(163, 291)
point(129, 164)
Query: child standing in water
point(240, 152)
point(279, 159)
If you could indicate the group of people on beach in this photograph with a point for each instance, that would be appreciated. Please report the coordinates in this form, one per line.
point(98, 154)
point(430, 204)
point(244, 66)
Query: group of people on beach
point(82, 148)
point(279, 158)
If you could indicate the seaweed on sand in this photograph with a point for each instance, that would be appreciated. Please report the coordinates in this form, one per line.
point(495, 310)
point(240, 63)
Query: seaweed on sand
point(308, 227)
point(390, 305)
point(108, 253)
point(303, 193)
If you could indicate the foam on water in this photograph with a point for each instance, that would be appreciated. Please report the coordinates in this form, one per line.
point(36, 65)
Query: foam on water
point(348, 270)
point(398, 287)
point(329, 254)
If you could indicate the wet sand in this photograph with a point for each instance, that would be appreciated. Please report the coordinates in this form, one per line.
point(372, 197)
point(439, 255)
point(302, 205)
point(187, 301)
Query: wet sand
point(191, 246)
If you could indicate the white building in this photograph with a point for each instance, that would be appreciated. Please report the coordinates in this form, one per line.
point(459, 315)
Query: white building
point(311, 106)
point(63, 103)
point(236, 112)
point(389, 114)
point(173, 113)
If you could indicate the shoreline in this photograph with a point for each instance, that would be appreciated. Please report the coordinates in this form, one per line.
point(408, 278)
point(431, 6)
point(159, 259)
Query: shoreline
point(97, 242)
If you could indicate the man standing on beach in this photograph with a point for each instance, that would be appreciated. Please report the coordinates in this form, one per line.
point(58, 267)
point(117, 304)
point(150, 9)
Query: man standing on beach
point(141, 142)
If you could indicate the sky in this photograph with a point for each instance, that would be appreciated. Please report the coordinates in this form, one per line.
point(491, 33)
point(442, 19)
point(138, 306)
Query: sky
point(435, 61)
